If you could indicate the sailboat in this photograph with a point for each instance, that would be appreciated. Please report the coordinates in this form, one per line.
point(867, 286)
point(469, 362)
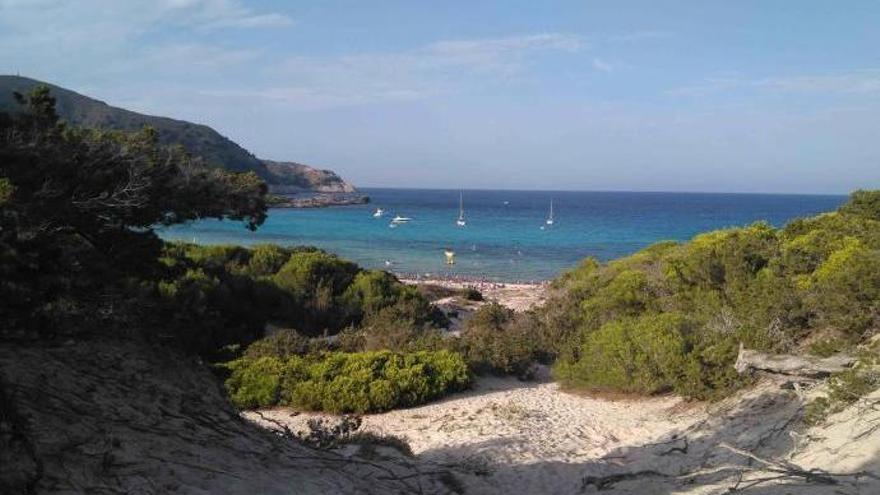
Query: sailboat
point(460, 222)
point(550, 218)
point(378, 213)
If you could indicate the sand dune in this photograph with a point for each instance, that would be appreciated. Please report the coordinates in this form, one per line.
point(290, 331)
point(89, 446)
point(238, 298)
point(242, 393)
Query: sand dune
point(507, 436)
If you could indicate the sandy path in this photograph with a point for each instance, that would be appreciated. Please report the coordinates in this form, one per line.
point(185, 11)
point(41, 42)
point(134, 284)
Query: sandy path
point(504, 424)
point(508, 437)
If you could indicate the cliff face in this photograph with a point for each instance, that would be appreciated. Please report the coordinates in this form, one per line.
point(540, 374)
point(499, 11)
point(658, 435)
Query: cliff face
point(291, 177)
point(200, 140)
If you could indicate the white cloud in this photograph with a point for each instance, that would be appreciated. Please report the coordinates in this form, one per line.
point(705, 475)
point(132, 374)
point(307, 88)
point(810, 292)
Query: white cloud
point(36, 23)
point(865, 81)
point(499, 46)
point(436, 68)
point(644, 35)
point(218, 14)
point(602, 65)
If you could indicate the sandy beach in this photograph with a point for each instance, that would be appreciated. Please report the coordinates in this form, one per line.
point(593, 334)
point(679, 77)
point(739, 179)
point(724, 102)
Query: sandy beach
point(519, 296)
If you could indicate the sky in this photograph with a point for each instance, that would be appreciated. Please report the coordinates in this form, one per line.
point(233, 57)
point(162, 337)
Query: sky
point(701, 95)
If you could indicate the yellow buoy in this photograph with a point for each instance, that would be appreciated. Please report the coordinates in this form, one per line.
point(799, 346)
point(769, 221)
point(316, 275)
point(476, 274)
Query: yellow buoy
point(450, 256)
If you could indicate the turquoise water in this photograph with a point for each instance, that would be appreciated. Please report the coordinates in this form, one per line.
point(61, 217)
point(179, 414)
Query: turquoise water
point(503, 239)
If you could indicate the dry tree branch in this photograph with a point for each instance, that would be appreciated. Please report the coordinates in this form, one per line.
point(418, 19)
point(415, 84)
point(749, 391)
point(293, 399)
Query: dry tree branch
point(786, 470)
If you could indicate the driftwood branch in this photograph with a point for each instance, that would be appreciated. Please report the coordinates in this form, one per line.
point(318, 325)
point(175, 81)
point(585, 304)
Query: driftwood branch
point(786, 364)
point(781, 470)
point(766, 470)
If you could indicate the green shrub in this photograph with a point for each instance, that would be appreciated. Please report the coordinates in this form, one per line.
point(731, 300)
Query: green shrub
point(305, 273)
point(267, 259)
point(768, 289)
point(816, 411)
point(6, 190)
point(373, 290)
point(471, 294)
point(846, 288)
point(863, 203)
point(845, 388)
point(492, 343)
point(644, 355)
point(284, 343)
point(347, 382)
point(255, 382)
point(394, 328)
point(827, 347)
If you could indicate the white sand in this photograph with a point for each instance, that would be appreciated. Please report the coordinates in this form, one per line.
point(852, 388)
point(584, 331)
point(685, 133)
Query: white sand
point(516, 296)
point(504, 422)
point(507, 436)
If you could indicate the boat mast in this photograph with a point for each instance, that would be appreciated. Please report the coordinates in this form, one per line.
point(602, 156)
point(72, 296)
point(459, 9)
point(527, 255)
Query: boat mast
point(460, 206)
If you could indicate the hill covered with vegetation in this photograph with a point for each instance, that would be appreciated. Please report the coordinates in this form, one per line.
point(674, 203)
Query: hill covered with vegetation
point(672, 316)
point(200, 140)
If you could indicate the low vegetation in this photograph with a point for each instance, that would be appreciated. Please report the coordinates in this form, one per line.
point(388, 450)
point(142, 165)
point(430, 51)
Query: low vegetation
point(670, 317)
point(848, 387)
point(347, 382)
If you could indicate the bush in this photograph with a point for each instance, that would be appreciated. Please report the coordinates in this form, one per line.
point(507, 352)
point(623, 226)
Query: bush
point(491, 343)
point(373, 290)
point(846, 289)
point(327, 434)
point(347, 382)
point(225, 295)
point(392, 329)
point(306, 273)
point(644, 355)
point(471, 294)
point(766, 288)
point(863, 203)
point(255, 382)
point(284, 343)
point(845, 388)
point(267, 259)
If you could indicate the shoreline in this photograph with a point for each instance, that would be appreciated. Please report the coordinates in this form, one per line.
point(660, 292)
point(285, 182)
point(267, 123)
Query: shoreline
point(518, 296)
point(317, 200)
point(464, 281)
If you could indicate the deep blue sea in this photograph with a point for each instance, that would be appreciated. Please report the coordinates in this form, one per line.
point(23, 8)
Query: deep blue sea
point(503, 239)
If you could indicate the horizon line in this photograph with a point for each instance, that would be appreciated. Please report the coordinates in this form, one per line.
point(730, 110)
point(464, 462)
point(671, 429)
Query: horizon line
point(629, 191)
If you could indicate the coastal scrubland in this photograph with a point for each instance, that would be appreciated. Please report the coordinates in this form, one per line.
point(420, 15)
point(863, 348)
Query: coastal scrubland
point(81, 266)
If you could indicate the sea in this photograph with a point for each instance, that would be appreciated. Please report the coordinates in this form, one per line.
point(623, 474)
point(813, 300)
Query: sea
point(506, 237)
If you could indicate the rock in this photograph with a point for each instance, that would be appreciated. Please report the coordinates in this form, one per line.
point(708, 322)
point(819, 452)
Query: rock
point(786, 364)
point(291, 177)
point(318, 201)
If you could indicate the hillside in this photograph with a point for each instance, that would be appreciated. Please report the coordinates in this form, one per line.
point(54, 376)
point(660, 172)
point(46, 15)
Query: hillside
point(289, 177)
point(200, 140)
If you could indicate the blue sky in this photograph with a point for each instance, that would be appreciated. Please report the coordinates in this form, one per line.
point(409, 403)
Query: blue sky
point(769, 96)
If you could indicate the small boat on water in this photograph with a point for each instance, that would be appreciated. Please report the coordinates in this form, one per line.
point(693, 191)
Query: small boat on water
point(460, 222)
point(550, 218)
point(398, 220)
point(378, 213)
